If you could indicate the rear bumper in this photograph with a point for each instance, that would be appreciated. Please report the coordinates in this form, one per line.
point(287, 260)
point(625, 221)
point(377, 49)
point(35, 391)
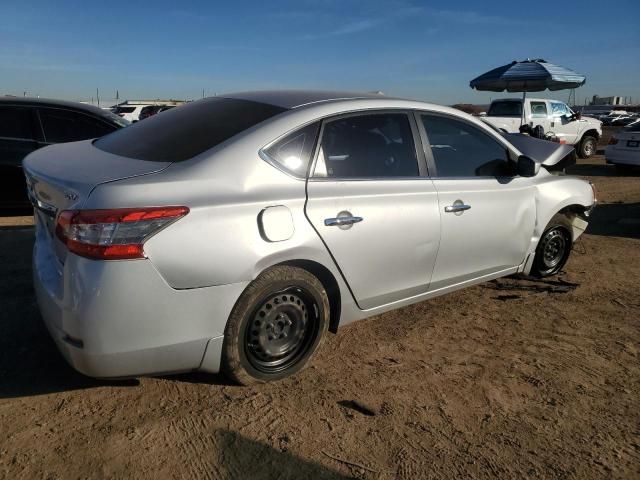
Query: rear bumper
point(121, 319)
point(622, 157)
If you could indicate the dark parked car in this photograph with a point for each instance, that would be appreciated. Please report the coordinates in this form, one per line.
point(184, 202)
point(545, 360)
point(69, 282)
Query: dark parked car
point(27, 124)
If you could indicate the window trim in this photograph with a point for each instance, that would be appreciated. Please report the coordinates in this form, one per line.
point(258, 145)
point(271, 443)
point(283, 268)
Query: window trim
point(420, 158)
point(44, 140)
point(262, 153)
point(429, 152)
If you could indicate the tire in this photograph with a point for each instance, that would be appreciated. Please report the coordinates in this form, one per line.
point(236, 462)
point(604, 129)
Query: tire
point(554, 248)
point(588, 146)
point(277, 324)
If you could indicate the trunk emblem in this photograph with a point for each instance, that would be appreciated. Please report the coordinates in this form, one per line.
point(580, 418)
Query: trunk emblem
point(70, 196)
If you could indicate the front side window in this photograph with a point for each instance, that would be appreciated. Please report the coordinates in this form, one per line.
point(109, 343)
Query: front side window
point(559, 109)
point(538, 109)
point(463, 150)
point(66, 126)
point(15, 123)
point(293, 152)
point(367, 146)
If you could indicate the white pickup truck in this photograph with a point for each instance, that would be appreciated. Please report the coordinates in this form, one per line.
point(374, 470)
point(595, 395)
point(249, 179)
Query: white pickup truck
point(554, 117)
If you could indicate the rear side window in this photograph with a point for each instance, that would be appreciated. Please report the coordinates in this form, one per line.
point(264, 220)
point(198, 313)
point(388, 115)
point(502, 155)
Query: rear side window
point(183, 133)
point(15, 122)
point(538, 109)
point(462, 150)
point(367, 146)
point(633, 127)
point(123, 109)
point(505, 109)
point(66, 126)
point(293, 152)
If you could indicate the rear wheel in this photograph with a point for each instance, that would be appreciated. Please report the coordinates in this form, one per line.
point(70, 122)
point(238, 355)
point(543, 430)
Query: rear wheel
point(554, 248)
point(276, 326)
point(588, 146)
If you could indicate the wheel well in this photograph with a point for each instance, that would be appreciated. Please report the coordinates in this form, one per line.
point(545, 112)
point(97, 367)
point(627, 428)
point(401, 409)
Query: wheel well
point(571, 210)
point(329, 283)
point(591, 133)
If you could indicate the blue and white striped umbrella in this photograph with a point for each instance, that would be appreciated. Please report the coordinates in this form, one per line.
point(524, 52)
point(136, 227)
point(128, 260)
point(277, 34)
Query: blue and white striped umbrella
point(528, 76)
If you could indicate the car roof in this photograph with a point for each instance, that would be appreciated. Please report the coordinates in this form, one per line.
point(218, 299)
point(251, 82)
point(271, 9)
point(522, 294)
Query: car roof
point(290, 99)
point(49, 102)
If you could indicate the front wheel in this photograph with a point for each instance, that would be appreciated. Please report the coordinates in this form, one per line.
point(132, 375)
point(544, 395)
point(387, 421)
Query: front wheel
point(554, 248)
point(588, 146)
point(276, 326)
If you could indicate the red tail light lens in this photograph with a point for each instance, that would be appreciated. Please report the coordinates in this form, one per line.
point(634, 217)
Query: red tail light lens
point(113, 234)
point(613, 141)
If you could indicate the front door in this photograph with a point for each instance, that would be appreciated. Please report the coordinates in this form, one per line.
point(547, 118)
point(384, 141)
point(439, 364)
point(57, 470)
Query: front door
point(563, 124)
point(375, 212)
point(488, 214)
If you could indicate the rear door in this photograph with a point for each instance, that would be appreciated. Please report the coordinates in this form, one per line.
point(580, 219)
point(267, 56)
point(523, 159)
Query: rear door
point(488, 214)
point(539, 114)
point(373, 207)
point(18, 138)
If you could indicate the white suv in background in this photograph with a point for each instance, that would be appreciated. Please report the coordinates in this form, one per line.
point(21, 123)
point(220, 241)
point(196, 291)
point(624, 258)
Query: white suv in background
point(130, 112)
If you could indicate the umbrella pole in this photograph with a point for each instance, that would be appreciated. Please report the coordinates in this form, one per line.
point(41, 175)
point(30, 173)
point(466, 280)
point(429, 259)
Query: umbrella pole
point(524, 96)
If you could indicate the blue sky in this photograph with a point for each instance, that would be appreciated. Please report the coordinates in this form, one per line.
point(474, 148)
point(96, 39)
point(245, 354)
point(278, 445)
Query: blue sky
point(423, 50)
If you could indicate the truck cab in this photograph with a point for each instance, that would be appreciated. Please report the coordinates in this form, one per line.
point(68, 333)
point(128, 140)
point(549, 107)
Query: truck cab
point(554, 117)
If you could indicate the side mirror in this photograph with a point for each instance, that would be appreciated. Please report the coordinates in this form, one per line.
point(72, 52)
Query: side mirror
point(526, 166)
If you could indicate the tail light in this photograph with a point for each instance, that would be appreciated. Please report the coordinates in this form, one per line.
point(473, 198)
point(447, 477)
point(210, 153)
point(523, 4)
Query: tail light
point(613, 141)
point(113, 234)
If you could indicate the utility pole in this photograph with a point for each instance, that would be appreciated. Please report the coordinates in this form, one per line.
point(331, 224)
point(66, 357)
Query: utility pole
point(98, 96)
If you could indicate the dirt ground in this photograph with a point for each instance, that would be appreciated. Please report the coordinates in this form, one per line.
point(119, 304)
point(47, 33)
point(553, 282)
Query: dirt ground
point(510, 379)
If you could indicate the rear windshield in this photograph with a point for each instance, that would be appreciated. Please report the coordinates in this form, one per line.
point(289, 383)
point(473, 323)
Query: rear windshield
point(183, 133)
point(633, 127)
point(505, 109)
point(123, 109)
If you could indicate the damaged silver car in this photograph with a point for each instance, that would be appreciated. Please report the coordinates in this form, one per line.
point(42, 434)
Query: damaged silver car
point(232, 233)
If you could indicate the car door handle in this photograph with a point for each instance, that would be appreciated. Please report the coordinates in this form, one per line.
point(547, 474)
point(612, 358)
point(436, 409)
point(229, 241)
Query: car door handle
point(458, 207)
point(341, 221)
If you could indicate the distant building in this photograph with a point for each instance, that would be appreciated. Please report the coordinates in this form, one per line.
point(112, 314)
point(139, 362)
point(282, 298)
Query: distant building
point(608, 100)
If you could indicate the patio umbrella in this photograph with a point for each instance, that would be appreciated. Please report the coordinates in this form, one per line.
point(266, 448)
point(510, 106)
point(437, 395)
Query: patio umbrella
point(528, 76)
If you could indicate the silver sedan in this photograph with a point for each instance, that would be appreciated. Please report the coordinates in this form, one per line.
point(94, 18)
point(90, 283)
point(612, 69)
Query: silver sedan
point(232, 233)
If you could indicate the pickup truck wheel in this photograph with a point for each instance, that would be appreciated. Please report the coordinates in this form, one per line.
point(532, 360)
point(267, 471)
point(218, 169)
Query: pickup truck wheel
point(278, 322)
point(554, 248)
point(588, 146)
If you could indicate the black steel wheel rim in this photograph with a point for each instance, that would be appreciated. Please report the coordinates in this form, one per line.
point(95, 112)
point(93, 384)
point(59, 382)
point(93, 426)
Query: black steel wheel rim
point(281, 329)
point(554, 248)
